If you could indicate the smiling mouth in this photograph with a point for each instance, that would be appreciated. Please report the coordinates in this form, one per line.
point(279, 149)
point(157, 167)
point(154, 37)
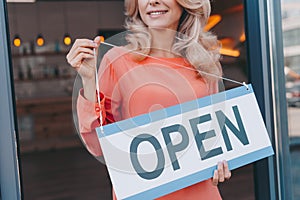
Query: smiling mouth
point(158, 12)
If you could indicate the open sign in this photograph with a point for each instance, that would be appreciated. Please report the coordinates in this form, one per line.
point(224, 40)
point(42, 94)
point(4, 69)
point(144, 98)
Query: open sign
point(154, 154)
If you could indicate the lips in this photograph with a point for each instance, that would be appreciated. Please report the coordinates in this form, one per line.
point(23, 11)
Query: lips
point(157, 12)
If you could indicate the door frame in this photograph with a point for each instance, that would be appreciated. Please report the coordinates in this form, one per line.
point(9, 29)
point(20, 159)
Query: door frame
point(10, 179)
point(265, 58)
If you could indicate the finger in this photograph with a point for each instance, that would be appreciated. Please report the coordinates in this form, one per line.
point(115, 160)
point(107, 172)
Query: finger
point(97, 40)
point(227, 172)
point(80, 43)
point(84, 43)
point(74, 52)
point(85, 50)
point(215, 179)
point(82, 50)
point(73, 57)
point(221, 172)
point(77, 61)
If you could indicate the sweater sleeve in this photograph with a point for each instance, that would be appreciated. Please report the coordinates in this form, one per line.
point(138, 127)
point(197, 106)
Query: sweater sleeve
point(89, 112)
point(88, 120)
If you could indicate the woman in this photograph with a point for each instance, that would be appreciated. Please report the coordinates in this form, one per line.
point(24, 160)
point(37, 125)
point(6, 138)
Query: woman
point(157, 69)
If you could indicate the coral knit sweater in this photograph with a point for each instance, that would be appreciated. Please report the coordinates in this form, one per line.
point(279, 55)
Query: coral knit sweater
point(131, 88)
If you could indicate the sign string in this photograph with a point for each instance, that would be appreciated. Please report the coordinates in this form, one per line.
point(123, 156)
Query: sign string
point(98, 91)
point(182, 66)
point(164, 61)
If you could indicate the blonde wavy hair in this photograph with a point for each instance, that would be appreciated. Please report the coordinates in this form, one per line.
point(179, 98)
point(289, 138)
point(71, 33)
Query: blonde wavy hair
point(196, 42)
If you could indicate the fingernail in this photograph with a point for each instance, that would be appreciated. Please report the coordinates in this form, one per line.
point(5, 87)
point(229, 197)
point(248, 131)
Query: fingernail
point(97, 38)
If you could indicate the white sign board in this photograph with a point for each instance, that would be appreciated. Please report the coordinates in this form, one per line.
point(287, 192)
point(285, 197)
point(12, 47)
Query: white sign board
point(154, 154)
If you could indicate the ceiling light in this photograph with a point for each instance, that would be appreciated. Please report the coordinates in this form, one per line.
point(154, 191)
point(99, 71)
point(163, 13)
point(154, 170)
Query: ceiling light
point(228, 47)
point(17, 41)
point(212, 21)
point(227, 42)
point(40, 41)
point(67, 39)
point(230, 52)
point(243, 37)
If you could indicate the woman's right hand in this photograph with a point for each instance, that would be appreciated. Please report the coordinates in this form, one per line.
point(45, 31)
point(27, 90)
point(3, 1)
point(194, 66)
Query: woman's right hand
point(81, 57)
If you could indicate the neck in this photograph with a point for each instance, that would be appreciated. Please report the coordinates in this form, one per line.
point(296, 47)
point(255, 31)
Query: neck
point(162, 42)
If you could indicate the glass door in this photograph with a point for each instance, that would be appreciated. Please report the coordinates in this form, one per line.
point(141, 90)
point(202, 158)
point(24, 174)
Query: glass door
point(54, 161)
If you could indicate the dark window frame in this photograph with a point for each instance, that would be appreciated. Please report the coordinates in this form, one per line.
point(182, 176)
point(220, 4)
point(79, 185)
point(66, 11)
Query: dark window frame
point(10, 179)
point(266, 70)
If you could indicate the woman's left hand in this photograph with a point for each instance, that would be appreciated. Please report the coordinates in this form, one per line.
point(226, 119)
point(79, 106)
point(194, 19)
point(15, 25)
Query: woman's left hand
point(222, 173)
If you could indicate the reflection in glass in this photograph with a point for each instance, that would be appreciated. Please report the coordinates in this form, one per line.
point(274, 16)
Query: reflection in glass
point(291, 41)
point(43, 84)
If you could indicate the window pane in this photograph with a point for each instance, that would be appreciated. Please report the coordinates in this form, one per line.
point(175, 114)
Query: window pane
point(55, 165)
point(291, 31)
